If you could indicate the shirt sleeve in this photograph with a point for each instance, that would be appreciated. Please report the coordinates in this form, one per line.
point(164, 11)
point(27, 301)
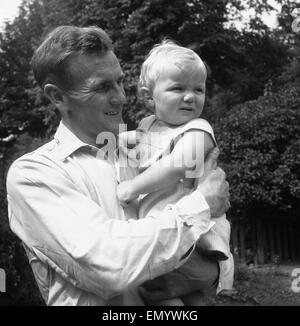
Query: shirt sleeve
point(97, 253)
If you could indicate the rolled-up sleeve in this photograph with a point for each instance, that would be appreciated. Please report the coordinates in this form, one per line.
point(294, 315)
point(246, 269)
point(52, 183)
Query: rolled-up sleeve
point(72, 234)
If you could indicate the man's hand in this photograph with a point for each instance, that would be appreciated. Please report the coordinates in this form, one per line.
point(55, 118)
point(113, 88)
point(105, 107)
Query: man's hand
point(213, 185)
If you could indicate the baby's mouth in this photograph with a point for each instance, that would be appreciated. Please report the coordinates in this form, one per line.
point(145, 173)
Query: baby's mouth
point(187, 109)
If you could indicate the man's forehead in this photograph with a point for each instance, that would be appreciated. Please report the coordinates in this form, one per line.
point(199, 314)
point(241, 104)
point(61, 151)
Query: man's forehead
point(96, 66)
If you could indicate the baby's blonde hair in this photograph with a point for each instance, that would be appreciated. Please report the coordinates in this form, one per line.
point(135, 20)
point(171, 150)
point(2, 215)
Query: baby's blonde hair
point(162, 54)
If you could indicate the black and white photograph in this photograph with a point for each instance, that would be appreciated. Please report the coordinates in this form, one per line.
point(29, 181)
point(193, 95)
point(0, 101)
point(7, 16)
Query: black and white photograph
point(149, 155)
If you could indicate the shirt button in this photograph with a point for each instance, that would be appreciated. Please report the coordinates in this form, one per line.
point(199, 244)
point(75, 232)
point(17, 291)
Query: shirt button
point(189, 221)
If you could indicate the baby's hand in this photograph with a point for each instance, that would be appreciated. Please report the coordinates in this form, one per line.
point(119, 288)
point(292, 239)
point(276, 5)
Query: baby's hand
point(125, 193)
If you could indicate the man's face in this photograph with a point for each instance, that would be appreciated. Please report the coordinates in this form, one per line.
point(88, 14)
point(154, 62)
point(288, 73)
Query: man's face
point(95, 104)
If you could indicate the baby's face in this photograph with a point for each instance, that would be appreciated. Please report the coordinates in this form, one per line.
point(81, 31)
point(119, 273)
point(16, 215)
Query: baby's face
point(179, 93)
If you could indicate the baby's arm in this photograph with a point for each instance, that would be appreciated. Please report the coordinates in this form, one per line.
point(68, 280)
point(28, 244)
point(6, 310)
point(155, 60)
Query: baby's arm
point(187, 156)
point(128, 139)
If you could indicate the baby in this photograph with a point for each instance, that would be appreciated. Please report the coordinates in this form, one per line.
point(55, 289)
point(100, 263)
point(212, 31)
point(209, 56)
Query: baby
point(172, 144)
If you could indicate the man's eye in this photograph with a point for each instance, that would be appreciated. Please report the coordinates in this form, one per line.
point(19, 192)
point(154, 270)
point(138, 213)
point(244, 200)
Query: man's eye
point(176, 88)
point(102, 88)
point(200, 90)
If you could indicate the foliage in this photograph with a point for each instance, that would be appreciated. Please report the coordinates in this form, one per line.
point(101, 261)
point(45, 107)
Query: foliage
point(252, 95)
point(260, 143)
point(21, 288)
point(135, 26)
point(17, 111)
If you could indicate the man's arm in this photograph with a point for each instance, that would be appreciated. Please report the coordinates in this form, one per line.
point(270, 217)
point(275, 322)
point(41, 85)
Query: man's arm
point(72, 234)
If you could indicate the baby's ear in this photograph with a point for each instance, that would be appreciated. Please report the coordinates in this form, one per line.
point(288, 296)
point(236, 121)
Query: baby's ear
point(145, 93)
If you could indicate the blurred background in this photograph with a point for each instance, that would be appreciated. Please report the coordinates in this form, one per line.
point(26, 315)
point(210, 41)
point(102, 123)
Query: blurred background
point(252, 101)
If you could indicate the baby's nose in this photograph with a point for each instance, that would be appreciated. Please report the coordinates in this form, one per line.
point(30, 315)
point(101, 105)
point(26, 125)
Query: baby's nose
point(189, 97)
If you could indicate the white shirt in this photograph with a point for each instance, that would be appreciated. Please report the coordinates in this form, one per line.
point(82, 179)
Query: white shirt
point(82, 247)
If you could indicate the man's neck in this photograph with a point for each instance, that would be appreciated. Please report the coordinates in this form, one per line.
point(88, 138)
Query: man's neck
point(81, 134)
point(84, 136)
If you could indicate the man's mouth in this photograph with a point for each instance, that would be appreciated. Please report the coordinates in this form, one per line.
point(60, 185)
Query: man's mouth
point(112, 113)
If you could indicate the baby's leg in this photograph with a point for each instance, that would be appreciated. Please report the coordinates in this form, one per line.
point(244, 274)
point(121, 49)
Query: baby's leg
point(203, 274)
point(194, 299)
point(215, 243)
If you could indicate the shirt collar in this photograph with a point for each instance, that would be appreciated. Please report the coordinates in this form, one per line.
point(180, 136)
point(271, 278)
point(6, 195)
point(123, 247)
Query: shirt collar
point(67, 142)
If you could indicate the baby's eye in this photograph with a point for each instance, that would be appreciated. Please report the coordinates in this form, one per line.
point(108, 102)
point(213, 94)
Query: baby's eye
point(176, 88)
point(200, 90)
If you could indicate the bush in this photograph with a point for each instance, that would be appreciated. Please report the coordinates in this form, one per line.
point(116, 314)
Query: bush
point(21, 288)
point(260, 151)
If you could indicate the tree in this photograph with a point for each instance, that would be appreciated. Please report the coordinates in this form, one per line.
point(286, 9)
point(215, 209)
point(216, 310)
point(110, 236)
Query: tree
point(260, 146)
point(252, 94)
point(135, 26)
point(16, 49)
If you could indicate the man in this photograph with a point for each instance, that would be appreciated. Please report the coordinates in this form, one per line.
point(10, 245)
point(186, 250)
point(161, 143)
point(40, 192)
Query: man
point(82, 248)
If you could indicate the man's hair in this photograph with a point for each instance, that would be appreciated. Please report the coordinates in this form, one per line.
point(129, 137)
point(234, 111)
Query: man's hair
point(161, 55)
point(50, 62)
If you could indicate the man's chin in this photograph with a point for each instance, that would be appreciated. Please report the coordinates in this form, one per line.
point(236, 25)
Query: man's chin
point(116, 127)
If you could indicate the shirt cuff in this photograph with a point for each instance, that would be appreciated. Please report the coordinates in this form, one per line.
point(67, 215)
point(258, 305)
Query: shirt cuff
point(193, 204)
point(194, 212)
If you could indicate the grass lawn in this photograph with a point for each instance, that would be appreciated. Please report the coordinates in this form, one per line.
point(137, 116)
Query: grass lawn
point(266, 285)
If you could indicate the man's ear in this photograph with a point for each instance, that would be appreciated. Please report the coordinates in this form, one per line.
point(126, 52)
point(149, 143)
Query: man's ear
point(54, 94)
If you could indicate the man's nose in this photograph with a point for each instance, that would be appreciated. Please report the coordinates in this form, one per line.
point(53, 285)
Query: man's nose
point(119, 97)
